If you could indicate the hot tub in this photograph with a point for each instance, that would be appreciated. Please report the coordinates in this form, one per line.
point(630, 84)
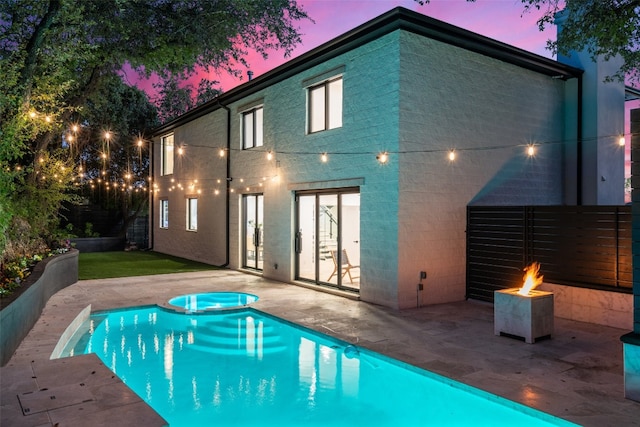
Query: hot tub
point(212, 300)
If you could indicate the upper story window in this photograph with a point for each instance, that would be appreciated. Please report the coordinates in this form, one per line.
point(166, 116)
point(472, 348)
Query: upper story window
point(166, 155)
point(164, 213)
point(325, 105)
point(252, 128)
point(192, 214)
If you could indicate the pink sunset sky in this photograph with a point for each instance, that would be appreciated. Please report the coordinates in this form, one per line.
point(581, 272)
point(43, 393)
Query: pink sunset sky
point(503, 20)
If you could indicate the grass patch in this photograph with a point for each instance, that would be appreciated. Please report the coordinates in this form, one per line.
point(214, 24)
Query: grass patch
point(103, 265)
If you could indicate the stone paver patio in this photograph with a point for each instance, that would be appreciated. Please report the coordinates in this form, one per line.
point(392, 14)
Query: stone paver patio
point(576, 375)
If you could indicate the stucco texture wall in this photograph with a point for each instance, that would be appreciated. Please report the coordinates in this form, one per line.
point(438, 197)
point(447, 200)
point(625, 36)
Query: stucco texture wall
point(488, 111)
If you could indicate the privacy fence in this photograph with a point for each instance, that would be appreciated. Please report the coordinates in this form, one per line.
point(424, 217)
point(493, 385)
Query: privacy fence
point(584, 246)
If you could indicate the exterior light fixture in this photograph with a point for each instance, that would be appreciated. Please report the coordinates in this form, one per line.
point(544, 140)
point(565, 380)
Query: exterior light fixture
point(181, 151)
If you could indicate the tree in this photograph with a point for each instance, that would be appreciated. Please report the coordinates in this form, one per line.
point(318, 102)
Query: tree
point(107, 142)
point(606, 28)
point(177, 98)
point(55, 56)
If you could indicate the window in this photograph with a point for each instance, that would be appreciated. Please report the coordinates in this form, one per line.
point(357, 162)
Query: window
point(166, 155)
point(325, 105)
point(164, 213)
point(192, 214)
point(252, 128)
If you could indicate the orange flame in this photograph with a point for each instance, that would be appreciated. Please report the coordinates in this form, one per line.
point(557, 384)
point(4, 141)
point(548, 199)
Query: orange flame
point(531, 279)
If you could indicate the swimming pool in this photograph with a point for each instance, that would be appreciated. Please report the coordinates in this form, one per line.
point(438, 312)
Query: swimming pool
point(244, 367)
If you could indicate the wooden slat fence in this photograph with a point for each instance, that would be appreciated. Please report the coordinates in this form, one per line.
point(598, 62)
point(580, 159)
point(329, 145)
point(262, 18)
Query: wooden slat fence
point(585, 246)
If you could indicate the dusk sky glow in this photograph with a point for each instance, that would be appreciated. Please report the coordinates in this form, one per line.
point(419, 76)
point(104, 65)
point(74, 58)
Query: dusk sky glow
point(503, 20)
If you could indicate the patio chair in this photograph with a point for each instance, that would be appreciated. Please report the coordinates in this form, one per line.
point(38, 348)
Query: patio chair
point(346, 265)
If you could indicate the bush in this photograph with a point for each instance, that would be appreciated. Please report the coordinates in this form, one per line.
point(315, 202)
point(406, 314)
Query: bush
point(23, 250)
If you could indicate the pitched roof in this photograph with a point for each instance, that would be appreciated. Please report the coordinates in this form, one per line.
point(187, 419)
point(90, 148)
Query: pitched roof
point(396, 19)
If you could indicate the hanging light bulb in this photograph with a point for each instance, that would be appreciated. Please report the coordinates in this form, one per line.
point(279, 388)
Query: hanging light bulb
point(324, 158)
point(383, 157)
point(531, 150)
point(622, 141)
point(452, 155)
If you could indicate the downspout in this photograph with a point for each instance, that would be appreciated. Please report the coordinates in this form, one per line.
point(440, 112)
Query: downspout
point(579, 145)
point(228, 180)
point(151, 196)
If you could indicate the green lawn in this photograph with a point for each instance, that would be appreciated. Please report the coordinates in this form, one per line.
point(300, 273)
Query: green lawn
point(102, 265)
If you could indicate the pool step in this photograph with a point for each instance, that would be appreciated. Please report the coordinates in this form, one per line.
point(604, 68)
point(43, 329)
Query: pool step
point(237, 336)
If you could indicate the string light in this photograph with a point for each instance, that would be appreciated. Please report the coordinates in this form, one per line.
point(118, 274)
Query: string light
point(324, 158)
point(269, 155)
point(383, 157)
point(531, 150)
point(622, 141)
point(221, 152)
point(452, 155)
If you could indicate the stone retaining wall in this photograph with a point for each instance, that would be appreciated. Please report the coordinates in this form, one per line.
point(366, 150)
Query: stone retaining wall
point(17, 319)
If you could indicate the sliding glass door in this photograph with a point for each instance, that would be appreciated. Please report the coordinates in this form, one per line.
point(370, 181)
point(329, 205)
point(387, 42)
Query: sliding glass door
point(328, 237)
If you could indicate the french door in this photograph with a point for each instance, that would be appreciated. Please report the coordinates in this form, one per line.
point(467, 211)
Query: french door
point(253, 220)
point(327, 240)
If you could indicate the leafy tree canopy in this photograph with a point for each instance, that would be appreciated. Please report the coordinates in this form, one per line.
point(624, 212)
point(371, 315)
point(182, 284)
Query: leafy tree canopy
point(58, 57)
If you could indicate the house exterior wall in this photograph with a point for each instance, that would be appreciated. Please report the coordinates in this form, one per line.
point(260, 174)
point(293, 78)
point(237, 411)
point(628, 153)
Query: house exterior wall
point(370, 125)
point(405, 94)
point(200, 166)
point(451, 98)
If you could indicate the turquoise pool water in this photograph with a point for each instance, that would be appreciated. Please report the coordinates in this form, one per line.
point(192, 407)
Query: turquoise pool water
point(247, 368)
point(212, 300)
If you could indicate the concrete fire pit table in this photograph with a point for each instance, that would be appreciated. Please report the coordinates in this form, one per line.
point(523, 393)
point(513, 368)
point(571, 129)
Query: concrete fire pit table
point(528, 316)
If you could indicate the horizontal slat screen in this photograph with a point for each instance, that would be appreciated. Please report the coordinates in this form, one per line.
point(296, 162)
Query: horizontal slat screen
point(586, 246)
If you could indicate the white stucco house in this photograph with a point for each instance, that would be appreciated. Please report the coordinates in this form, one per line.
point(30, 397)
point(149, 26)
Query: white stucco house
point(370, 147)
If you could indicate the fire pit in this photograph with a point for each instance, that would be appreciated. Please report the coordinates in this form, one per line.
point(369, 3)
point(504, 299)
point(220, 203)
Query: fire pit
point(524, 312)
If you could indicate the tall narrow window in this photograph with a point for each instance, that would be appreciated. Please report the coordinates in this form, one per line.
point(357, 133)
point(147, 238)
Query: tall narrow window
point(164, 213)
point(192, 214)
point(252, 128)
point(166, 155)
point(325, 106)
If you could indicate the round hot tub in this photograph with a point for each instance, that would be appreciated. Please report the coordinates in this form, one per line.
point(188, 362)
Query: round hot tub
point(213, 300)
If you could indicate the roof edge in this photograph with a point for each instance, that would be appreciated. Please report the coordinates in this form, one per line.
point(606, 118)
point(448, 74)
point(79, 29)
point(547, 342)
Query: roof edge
point(397, 18)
